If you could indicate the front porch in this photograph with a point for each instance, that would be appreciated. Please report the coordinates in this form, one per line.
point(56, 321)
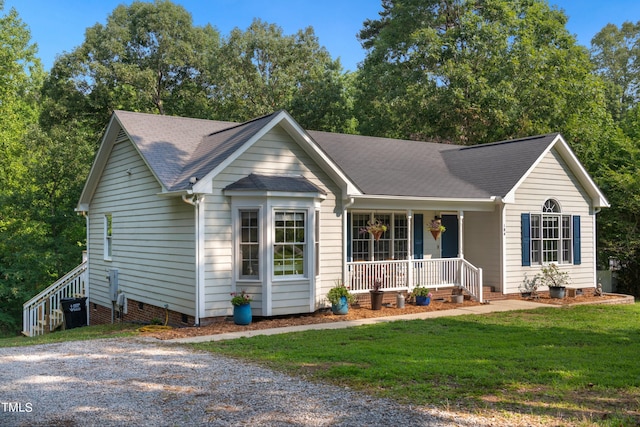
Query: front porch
point(404, 275)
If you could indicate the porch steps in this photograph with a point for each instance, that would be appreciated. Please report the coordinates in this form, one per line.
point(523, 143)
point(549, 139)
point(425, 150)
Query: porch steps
point(56, 319)
point(489, 294)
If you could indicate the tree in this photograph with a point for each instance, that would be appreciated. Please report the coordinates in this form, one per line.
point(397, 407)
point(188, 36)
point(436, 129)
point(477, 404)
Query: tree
point(263, 70)
point(468, 71)
point(20, 77)
point(616, 55)
point(149, 57)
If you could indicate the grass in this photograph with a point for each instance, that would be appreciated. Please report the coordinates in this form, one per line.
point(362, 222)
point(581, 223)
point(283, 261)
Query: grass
point(76, 334)
point(576, 365)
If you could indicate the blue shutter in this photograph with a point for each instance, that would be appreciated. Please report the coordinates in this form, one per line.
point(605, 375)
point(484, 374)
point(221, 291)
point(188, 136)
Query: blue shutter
point(349, 243)
point(525, 220)
point(418, 236)
point(577, 255)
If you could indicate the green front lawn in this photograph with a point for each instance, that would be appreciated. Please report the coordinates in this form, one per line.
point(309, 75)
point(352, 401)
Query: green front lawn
point(578, 363)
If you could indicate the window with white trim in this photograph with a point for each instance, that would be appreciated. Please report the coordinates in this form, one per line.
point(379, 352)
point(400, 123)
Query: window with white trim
point(290, 244)
point(108, 236)
point(551, 235)
point(249, 264)
point(393, 244)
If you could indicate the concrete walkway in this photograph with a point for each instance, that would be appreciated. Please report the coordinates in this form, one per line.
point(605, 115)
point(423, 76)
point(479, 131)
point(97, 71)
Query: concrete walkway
point(493, 307)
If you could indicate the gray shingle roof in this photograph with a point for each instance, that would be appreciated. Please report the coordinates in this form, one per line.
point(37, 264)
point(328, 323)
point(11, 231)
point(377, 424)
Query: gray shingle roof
point(294, 184)
point(179, 148)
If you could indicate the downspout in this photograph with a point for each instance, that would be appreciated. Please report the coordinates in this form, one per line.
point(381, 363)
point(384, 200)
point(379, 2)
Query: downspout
point(85, 257)
point(596, 211)
point(195, 200)
point(348, 203)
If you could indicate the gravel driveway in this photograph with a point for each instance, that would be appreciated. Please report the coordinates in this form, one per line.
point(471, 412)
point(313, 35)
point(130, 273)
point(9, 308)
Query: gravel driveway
point(127, 381)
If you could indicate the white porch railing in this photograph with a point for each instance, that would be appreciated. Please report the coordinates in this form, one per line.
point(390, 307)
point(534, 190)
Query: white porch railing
point(405, 275)
point(43, 313)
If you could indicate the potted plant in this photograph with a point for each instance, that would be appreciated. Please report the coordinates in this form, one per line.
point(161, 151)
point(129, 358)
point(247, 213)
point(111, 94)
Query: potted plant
point(555, 279)
point(376, 228)
point(340, 298)
point(421, 295)
point(241, 307)
point(436, 228)
point(376, 295)
point(529, 287)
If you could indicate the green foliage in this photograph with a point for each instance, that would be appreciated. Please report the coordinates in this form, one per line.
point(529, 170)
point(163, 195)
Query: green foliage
point(336, 293)
point(470, 72)
point(576, 360)
point(615, 53)
point(421, 291)
point(261, 71)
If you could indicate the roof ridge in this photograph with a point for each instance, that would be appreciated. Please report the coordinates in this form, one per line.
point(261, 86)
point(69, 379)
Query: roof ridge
point(509, 141)
point(237, 125)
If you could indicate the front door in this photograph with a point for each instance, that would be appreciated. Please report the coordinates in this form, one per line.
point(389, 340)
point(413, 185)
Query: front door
point(450, 236)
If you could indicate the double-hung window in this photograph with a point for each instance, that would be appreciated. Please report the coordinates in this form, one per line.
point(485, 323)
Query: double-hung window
point(290, 243)
point(550, 236)
point(249, 244)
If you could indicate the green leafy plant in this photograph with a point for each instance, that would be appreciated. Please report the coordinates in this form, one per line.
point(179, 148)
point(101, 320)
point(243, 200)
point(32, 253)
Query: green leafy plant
point(530, 285)
point(240, 298)
point(421, 291)
point(337, 292)
point(551, 276)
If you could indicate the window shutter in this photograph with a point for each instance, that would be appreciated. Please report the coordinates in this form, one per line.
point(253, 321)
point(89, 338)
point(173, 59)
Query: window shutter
point(418, 236)
point(349, 242)
point(525, 221)
point(577, 255)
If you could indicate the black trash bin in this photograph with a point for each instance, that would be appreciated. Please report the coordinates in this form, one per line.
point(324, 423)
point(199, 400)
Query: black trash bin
point(75, 312)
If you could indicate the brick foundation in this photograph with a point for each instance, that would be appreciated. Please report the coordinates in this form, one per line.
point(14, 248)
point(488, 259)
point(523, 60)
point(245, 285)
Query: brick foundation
point(137, 312)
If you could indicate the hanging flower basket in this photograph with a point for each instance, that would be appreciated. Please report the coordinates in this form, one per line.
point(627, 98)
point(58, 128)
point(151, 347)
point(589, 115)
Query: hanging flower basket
point(376, 228)
point(436, 228)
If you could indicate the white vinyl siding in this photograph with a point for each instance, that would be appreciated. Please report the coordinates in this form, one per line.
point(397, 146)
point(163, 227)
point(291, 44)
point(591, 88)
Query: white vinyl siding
point(275, 153)
point(152, 236)
point(482, 236)
point(530, 198)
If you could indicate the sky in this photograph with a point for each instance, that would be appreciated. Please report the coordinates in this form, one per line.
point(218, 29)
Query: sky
point(58, 26)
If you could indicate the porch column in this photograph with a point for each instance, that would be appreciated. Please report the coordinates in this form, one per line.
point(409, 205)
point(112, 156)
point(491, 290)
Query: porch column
point(461, 234)
point(409, 248)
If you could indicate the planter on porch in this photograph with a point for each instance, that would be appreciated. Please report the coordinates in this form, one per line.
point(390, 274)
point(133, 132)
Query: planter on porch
point(376, 299)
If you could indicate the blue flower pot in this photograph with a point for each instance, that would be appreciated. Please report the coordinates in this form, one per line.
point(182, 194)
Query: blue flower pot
point(340, 308)
point(423, 300)
point(242, 314)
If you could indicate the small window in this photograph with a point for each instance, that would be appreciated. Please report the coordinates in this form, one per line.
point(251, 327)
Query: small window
point(108, 237)
point(249, 245)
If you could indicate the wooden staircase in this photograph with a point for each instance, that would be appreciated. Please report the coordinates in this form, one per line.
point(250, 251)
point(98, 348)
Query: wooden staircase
point(43, 313)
